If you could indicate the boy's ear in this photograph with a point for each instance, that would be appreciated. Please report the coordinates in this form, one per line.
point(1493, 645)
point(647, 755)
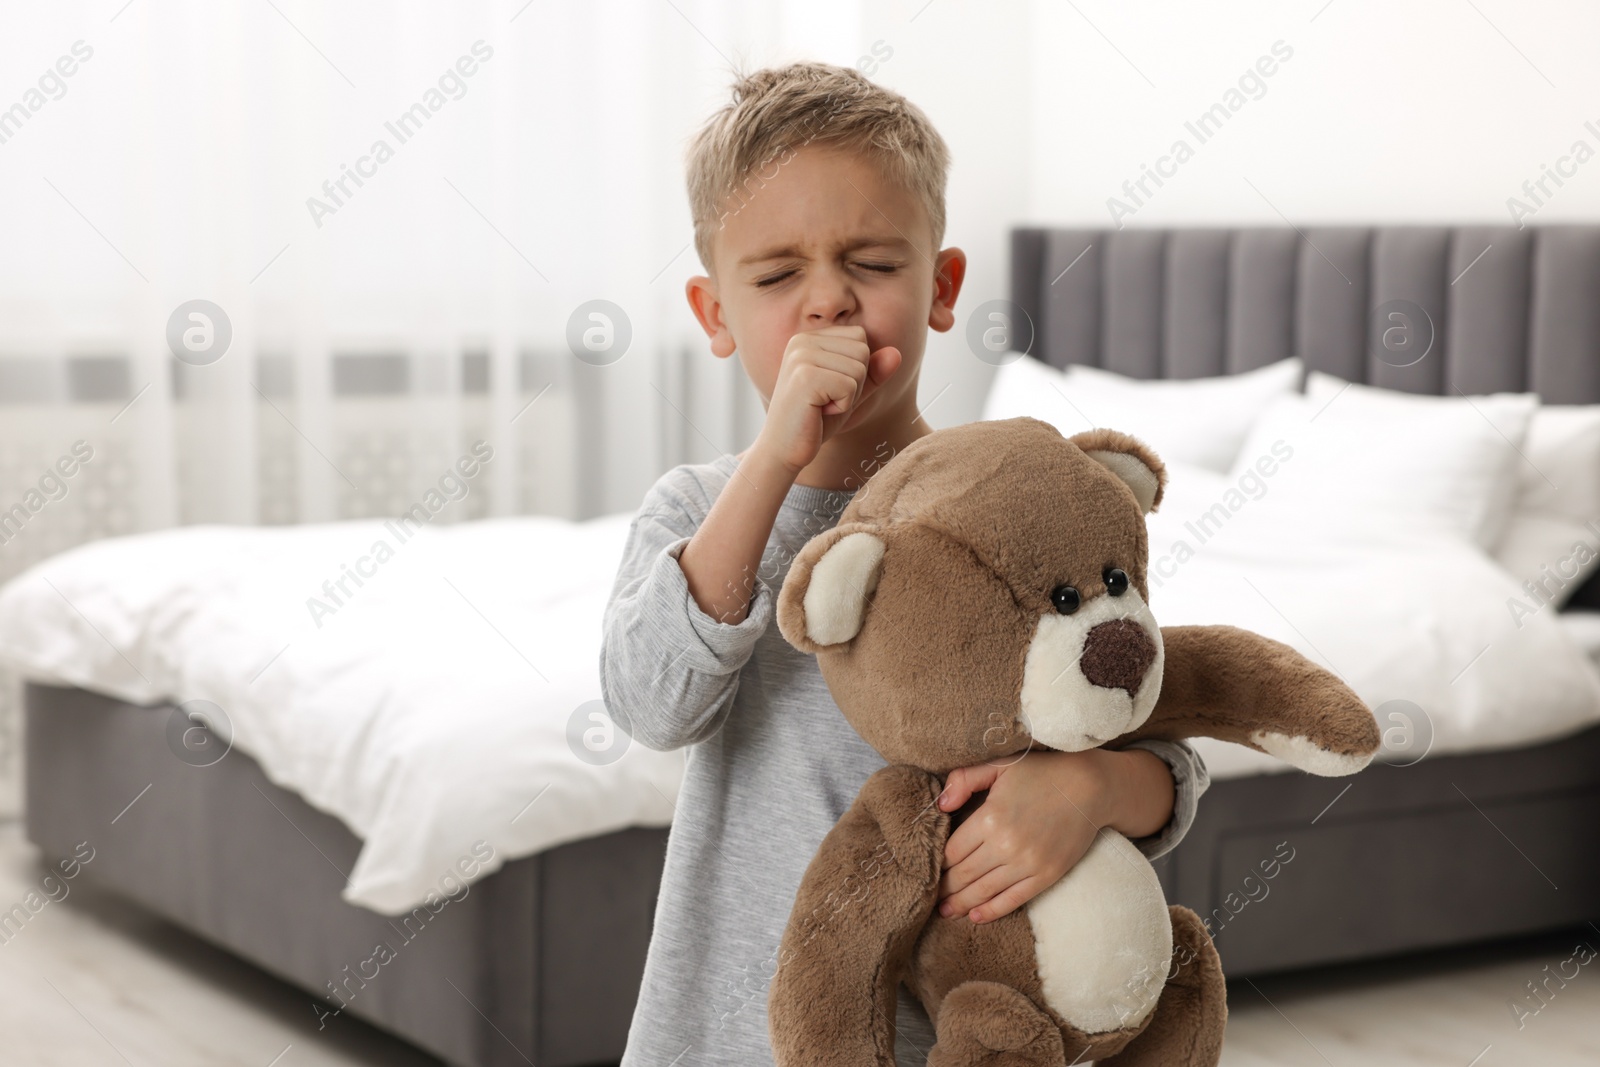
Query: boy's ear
point(949, 271)
point(702, 294)
point(825, 596)
point(1130, 459)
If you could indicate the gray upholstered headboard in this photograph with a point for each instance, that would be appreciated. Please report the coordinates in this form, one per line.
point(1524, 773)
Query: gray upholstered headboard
point(1510, 310)
point(1184, 303)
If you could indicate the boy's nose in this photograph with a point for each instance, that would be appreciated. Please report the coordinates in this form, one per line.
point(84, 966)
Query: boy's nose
point(838, 318)
point(830, 302)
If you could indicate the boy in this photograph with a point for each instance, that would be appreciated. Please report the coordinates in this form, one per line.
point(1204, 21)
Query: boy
point(818, 202)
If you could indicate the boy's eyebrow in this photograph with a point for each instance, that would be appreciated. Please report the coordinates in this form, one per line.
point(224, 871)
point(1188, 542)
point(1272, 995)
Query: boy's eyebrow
point(790, 251)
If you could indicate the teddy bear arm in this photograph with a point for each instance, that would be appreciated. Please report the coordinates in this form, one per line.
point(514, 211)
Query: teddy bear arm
point(1235, 685)
point(864, 899)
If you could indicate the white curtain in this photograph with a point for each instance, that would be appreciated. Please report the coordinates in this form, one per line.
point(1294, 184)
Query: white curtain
point(397, 208)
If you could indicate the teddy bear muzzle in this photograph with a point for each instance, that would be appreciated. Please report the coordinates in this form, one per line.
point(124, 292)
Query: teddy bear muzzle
point(1092, 675)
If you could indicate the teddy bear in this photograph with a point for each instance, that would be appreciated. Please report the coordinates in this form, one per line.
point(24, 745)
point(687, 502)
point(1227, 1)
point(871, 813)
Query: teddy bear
point(984, 594)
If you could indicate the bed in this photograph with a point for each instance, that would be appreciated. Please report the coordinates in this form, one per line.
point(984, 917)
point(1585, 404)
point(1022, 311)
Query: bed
point(324, 826)
point(1417, 854)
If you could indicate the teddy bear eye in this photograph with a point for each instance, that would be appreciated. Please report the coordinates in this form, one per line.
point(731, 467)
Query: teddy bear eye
point(1065, 598)
point(1116, 581)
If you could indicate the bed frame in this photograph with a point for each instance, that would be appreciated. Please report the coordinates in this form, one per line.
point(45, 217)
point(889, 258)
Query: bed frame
point(541, 962)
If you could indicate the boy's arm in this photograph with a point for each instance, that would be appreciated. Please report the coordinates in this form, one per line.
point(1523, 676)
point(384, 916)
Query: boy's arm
point(824, 373)
point(687, 606)
point(1189, 780)
point(1044, 810)
point(677, 635)
point(668, 669)
point(721, 561)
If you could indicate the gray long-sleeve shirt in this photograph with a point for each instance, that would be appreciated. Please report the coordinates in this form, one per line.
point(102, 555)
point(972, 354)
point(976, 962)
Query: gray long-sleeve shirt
point(772, 765)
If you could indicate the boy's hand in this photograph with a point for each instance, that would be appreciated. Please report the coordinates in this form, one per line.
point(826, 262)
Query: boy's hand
point(1041, 815)
point(824, 376)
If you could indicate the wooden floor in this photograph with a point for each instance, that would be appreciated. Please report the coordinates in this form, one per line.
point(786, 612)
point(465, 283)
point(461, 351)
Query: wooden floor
point(91, 980)
point(1442, 1009)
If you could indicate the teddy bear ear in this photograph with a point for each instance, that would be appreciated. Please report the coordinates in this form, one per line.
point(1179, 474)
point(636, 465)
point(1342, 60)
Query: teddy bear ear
point(825, 595)
point(1129, 459)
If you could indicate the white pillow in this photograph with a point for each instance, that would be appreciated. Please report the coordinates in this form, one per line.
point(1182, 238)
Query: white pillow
point(1027, 386)
point(1365, 461)
point(1555, 522)
point(1198, 421)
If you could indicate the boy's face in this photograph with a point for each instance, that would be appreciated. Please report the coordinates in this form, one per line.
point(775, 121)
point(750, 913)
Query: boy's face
point(827, 241)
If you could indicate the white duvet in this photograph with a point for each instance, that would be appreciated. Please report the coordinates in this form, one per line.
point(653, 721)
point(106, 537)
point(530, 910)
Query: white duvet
point(428, 711)
point(431, 708)
point(1418, 625)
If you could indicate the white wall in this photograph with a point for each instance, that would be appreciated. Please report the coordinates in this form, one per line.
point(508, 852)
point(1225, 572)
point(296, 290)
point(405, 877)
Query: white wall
point(1422, 111)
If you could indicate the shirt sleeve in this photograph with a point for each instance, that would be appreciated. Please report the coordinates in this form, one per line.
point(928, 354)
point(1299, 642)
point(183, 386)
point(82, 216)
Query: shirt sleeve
point(669, 671)
point(1190, 778)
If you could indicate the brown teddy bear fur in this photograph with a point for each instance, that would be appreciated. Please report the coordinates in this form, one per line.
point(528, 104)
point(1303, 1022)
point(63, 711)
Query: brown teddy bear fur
point(977, 525)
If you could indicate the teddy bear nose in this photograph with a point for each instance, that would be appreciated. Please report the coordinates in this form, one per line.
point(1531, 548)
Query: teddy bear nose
point(1117, 654)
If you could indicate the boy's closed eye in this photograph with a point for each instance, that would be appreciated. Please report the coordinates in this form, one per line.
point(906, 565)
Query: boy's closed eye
point(877, 268)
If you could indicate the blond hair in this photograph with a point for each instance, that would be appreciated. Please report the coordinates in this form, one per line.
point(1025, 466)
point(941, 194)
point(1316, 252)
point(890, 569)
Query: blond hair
point(775, 111)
